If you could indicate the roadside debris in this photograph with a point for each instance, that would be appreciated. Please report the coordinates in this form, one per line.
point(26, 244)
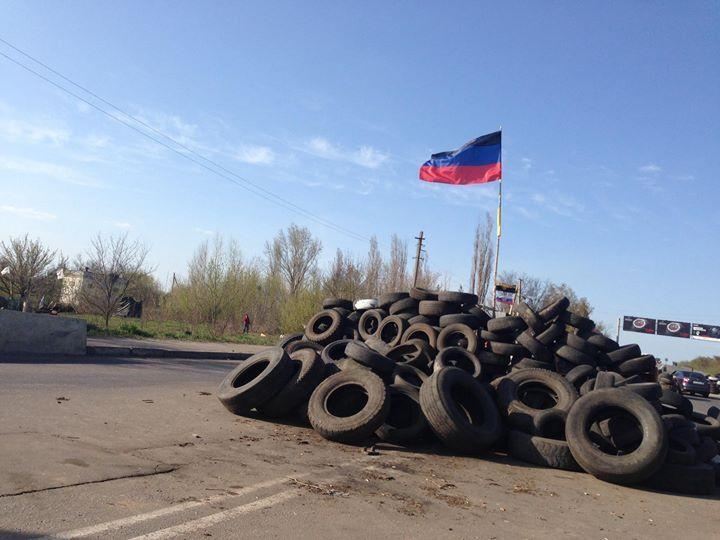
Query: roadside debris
point(543, 386)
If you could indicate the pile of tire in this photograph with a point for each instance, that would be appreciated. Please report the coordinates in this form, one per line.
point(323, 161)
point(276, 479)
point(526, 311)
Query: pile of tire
point(543, 386)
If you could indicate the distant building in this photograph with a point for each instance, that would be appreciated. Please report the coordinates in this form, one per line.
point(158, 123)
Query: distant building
point(75, 283)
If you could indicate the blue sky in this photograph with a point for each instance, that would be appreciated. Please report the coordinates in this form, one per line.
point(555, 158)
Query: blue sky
point(610, 115)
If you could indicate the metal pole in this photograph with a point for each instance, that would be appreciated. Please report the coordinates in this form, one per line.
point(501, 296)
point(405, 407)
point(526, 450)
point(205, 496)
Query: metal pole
point(499, 233)
point(497, 245)
point(617, 335)
point(417, 257)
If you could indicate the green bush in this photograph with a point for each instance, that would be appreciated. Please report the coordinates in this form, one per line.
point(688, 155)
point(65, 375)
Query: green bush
point(133, 330)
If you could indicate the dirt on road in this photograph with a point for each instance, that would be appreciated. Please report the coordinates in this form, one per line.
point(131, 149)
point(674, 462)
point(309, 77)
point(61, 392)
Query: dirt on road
point(120, 448)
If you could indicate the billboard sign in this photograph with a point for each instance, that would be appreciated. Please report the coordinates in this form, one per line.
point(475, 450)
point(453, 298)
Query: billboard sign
point(709, 332)
point(638, 324)
point(673, 328)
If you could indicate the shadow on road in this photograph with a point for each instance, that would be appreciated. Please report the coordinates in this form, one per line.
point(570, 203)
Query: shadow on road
point(171, 363)
point(17, 535)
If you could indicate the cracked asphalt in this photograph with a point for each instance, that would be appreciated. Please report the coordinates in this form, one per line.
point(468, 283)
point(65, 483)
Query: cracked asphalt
point(141, 448)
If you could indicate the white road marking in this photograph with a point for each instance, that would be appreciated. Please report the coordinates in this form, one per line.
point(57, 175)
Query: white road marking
point(131, 520)
point(214, 519)
point(100, 528)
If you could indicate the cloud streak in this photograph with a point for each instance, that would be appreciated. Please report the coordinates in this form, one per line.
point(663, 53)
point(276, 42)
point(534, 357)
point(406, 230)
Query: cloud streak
point(28, 213)
point(364, 156)
point(49, 170)
point(27, 132)
point(255, 155)
point(650, 168)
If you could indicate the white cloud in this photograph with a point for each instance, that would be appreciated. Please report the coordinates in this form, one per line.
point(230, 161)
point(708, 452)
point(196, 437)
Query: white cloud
point(685, 177)
point(256, 155)
point(562, 205)
point(365, 156)
point(650, 168)
point(95, 141)
point(369, 157)
point(29, 213)
point(123, 225)
point(22, 131)
point(42, 168)
point(206, 232)
point(527, 163)
point(169, 124)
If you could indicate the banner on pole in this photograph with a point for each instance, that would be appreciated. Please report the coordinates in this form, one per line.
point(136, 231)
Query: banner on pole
point(709, 332)
point(639, 324)
point(505, 295)
point(673, 328)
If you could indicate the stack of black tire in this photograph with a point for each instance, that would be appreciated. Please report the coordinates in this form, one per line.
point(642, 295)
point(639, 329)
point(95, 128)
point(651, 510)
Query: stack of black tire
point(544, 386)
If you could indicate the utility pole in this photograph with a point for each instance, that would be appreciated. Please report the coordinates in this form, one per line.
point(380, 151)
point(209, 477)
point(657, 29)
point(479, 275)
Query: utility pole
point(418, 257)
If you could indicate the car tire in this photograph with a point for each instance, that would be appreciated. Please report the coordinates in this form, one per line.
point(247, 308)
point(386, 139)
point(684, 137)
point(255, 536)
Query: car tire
point(255, 381)
point(458, 335)
point(349, 406)
point(405, 422)
point(633, 467)
point(460, 411)
point(538, 450)
point(308, 372)
point(423, 332)
point(524, 394)
point(325, 327)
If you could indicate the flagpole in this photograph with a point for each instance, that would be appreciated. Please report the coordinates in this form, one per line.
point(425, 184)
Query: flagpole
point(499, 234)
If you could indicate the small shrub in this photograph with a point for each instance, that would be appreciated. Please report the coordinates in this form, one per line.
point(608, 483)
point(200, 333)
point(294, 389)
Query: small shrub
point(133, 330)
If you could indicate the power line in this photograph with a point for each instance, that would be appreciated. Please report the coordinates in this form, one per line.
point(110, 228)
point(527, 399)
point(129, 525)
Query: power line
point(200, 160)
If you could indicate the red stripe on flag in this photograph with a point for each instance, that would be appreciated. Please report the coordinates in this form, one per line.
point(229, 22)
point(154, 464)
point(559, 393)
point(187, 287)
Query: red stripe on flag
point(462, 174)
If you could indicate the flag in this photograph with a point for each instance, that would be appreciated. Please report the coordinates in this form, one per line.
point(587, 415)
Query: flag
point(477, 162)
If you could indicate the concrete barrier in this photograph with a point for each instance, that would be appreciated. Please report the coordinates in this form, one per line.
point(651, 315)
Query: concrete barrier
point(36, 333)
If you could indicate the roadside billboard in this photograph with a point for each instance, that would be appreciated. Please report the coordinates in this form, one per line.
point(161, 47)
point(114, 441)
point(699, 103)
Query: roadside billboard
point(639, 324)
point(673, 328)
point(709, 332)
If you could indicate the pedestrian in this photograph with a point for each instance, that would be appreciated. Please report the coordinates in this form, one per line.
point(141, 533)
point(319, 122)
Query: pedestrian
point(246, 323)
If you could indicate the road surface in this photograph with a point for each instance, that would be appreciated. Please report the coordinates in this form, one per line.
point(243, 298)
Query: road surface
point(133, 448)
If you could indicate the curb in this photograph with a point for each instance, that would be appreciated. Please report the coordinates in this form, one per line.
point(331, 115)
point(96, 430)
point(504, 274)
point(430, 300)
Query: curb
point(146, 352)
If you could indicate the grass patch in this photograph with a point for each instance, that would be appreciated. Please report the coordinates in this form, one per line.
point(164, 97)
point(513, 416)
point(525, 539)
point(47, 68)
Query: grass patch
point(141, 328)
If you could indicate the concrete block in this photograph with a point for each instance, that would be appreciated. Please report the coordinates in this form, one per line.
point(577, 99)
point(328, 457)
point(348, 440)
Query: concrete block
point(34, 333)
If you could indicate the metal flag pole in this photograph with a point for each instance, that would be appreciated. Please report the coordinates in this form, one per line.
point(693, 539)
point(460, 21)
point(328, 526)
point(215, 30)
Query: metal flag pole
point(499, 234)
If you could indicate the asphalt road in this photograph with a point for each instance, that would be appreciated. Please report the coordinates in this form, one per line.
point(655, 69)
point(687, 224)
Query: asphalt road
point(132, 448)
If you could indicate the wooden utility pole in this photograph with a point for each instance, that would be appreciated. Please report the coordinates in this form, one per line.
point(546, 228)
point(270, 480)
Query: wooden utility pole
point(418, 257)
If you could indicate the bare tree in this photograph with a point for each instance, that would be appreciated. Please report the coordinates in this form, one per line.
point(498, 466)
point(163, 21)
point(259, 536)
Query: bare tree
point(345, 278)
point(373, 269)
point(482, 260)
point(24, 263)
point(114, 265)
point(293, 256)
point(535, 291)
point(396, 274)
point(427, 278)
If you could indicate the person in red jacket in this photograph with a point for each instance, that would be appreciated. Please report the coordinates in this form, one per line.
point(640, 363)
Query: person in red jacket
point(246, 323)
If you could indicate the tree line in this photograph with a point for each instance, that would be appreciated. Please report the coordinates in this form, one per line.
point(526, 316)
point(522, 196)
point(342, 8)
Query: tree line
point(280, 290)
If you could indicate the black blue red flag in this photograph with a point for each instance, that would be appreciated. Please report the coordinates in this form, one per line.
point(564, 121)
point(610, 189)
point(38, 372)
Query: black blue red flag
point(477, 162)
